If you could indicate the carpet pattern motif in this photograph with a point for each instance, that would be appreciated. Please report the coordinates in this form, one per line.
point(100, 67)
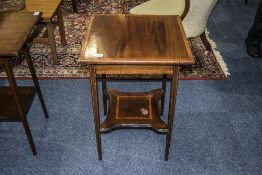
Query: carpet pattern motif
point(206, 67)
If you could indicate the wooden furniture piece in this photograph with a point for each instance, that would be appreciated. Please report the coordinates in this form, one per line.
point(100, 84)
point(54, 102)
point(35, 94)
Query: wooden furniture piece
point(49, 8)
point(134, 45)
point(15, 101)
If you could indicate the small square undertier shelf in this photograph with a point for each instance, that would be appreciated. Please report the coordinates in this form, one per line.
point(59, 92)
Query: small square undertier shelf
point(134, 109)
point(8, 109)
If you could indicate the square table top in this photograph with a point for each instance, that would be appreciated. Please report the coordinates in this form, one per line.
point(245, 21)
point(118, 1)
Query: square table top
point(47, 7)
point(15, 27)
point(135, 39)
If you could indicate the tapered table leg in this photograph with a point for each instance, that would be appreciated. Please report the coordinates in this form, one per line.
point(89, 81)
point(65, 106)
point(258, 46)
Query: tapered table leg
point(164, 94)
point(171, 112)
point(95, 103)
point(13, 86)
point(34, 77)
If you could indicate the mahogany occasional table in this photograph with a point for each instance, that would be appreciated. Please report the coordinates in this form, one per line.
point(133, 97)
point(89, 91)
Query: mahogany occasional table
point(15, 102)
point(134, 45)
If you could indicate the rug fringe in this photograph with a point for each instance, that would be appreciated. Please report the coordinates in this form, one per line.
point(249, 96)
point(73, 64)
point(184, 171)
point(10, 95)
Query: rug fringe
point(218, 55)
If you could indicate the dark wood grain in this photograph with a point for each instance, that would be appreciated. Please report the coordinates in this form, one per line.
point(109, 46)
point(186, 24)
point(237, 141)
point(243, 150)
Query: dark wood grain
point(15, 27)
point(133, 109)
point(135, 39)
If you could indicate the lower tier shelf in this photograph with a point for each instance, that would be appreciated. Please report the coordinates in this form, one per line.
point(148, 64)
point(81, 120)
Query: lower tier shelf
point(134, 110)
point(8, 108)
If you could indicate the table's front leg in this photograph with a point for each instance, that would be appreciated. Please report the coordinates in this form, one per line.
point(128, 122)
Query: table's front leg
point(171, 112)
point(95, 103)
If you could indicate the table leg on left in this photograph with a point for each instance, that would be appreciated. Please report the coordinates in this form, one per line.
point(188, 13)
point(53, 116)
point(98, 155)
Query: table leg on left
point(95, 103)
point(13, 87)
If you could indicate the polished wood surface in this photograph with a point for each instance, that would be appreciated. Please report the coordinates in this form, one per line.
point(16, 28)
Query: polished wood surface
point(48, 7)
point(136, 45)
point(136, 39)
point(15, 27)
point(133, 109)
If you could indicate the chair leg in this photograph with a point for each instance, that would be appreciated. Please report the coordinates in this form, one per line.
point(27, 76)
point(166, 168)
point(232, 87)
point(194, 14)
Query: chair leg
point(51, 41)
point(13, 85)
point(38, 90)
point(246, 1)
point(164, 94)
point(205, 41)
point(61, 26)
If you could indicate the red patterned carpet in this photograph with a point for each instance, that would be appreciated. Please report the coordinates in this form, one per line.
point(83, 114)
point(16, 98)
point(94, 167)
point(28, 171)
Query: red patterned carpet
point(208, 65)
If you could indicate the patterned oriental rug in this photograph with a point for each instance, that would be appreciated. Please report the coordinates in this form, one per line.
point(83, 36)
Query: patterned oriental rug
point(209, 64)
